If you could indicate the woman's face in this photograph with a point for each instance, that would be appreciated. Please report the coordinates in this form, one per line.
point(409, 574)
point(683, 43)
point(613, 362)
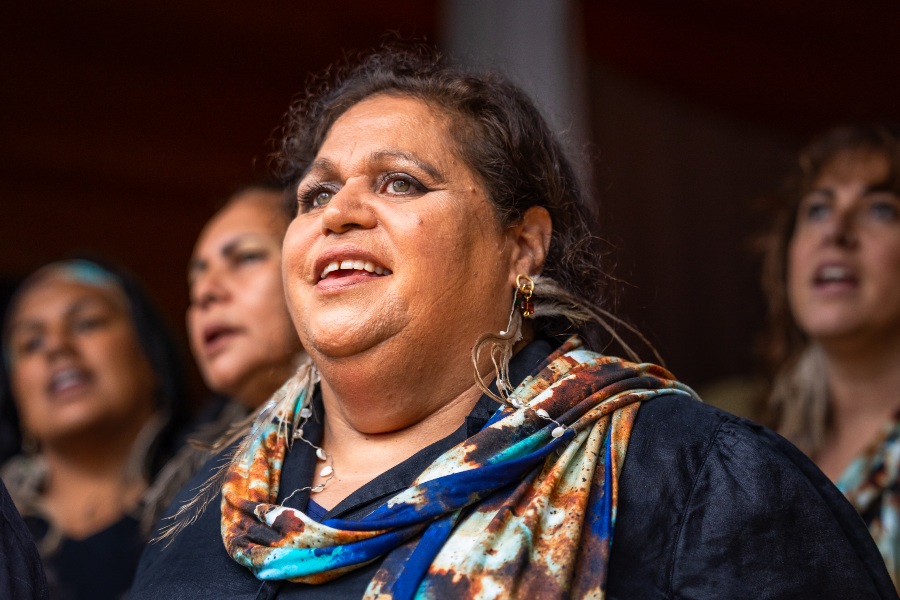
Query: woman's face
point(844, 257)
point(240, 331)
point(75, 361)
point(396, 245)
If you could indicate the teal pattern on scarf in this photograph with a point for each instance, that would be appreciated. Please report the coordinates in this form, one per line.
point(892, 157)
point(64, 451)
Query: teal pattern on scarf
point(872, 484)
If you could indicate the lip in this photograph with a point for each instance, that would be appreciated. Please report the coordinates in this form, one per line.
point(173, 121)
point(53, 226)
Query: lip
point(217, 336)
point(67, 381)
point(835, 277)
point(336, 280)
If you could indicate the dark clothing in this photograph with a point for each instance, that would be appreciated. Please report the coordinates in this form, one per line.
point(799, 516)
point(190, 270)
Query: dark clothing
point(710, 506)
point(100, 566)
point(715, 506)
point(21, 572)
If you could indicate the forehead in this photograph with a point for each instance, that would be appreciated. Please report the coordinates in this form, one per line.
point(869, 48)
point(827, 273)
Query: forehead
point(55, 295)
point(256, 212)
point(400, 121)
point(861, 166)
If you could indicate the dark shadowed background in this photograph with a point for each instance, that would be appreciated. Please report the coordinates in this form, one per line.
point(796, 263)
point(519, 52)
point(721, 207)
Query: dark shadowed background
point(124, 124)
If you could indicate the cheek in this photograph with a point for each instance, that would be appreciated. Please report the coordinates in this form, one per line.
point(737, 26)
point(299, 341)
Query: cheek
point(262, 297)
point(265, 312)
point(883, 263)
point(121, 358)
point(460, 233)
point(297, 243)
point(195, 333)
point(27, 381)
point(887, 258)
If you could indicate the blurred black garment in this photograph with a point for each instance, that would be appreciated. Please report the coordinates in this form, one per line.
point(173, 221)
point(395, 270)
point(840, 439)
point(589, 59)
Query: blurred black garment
point(99, 566)
point(220, 415)
point(21, 573)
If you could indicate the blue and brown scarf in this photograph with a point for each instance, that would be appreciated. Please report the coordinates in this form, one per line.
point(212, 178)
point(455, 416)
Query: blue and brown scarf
point(872, 484)
point(511, 511)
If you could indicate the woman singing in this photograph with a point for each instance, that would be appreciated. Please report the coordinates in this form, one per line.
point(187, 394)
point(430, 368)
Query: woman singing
point(455, 434)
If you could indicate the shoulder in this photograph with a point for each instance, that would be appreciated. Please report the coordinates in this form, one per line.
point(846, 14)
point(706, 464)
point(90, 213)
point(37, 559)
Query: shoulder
point(732, 509)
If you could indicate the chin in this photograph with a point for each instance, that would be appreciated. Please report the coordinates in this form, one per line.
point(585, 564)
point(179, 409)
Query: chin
point(831, 331)
point(345, 333)
point(341, 346)
point(220, 380)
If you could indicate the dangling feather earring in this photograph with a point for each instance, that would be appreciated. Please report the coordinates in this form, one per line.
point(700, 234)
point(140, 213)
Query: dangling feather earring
point(502, 350)
point(501, 344)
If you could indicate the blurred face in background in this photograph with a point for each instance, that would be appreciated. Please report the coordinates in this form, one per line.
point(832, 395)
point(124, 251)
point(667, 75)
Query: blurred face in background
point(844, 256)
point(75, 361)
point(239, 328)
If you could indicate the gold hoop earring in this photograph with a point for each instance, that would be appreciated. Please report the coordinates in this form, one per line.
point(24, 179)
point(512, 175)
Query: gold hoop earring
point(525, 288)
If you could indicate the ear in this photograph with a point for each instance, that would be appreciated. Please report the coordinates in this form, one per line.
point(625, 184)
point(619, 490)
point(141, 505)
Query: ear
point(531, 239)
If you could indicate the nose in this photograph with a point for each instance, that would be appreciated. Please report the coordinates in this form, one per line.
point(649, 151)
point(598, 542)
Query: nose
point(208, 287)
point(58, 342)
point(348, 209)
point(842, 230)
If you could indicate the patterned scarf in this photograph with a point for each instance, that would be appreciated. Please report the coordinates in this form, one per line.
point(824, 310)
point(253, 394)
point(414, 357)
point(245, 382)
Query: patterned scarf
point(510, 511)
point(872, 484)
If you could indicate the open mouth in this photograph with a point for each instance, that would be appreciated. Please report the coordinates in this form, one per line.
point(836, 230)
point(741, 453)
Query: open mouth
point(216, 336)
point(67, 380)
point(349, 267)
point(835, 275)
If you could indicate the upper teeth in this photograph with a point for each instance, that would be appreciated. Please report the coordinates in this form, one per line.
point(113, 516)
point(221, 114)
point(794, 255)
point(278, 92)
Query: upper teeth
point(66, 377)
point(833, 272)
point(358, 265)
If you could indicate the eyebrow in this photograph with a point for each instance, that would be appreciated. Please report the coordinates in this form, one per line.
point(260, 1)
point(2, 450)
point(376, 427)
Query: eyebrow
point(405, 156)
point(884, 186)
point(327, 166)
point(875, 188)
point(197, 265)
point(77, 306)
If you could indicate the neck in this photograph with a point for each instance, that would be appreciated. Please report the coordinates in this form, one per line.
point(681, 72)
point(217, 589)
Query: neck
point(380, 412)
point(88, 484)
point(863, 379)
point(863, 384)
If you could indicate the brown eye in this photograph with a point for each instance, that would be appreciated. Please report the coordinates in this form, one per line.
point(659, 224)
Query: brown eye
point(28, 345)
point(249, 256)
point(89, 323)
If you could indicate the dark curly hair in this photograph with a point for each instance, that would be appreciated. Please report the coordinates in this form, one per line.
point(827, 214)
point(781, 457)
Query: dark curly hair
point(500, 135)
point(797, 404)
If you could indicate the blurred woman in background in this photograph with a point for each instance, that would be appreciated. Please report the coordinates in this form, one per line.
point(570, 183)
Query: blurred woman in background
point(96, 384)
point(239, 328)
point(832, 276)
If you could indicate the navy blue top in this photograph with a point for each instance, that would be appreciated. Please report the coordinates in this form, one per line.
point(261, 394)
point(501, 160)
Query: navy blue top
point(710, 506)
point(315, 511)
